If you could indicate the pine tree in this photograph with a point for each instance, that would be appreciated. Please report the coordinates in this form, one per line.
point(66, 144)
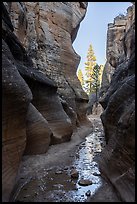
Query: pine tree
point(91, 62)
point(96, 81)
point(80, 77)
point(95, 78)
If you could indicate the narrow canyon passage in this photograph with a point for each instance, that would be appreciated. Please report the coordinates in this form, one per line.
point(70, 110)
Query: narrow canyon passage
point(68, 172)
point(51, 150)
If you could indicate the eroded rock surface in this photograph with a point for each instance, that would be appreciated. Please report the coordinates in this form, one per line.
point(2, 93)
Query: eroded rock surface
point(46, 100)
point(50, 29)
point(16, 97)
point(117, 160)
point(37, 131)
point(43, 101)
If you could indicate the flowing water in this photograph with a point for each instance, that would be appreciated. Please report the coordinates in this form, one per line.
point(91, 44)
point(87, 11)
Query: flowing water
point(55, 184)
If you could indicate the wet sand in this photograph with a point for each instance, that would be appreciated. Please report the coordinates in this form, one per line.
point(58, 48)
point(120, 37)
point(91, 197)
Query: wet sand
point(47, 177)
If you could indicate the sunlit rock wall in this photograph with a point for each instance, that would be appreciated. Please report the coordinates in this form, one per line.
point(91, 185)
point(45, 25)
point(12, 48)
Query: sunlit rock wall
point(47, 31)
point(116, 51)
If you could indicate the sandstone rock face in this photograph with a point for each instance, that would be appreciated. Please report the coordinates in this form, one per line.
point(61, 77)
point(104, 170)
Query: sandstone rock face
point(16, 97)
point(70, 112)
point(42, 97)
point(118, 48)
point(97, 109)
point(37, 131)
point(15, 100)
point(117, 159)
point(47, 31)
point(92, 101)
point(106, 78)
point(93, 105)
point(46, 100)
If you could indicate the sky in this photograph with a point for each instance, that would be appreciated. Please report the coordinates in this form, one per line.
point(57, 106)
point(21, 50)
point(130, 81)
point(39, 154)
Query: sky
point(93, 29)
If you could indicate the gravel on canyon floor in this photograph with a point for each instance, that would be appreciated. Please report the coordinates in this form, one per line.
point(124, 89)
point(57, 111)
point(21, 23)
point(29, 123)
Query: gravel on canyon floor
point(68, 172)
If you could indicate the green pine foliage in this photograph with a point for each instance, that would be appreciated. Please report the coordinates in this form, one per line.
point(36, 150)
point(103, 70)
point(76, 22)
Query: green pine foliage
point(89, 65)
point(93, 73)
point(95, 85)
point(91, 81)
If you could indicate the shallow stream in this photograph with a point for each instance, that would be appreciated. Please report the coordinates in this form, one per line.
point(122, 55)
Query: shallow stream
point(55, 183)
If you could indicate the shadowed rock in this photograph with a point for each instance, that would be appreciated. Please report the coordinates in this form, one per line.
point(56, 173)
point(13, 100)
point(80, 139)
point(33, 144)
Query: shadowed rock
point(47, 102)
point(117, 160)
point(74, 174)
point(36, 61)
point(92, 101)
point(70, 112)
point(16, 97)
point(37, 131)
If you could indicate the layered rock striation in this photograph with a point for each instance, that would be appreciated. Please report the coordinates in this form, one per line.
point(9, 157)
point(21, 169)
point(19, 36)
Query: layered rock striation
point(117, 51)
point(118, 158)
point(47, 31)
point(16, 97)
point(43, 101)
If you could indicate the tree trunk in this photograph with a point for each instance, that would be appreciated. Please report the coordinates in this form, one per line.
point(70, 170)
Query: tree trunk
point(96, 100)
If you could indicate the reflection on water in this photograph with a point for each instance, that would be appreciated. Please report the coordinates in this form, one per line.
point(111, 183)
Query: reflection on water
point(56, 185)
point(85, 164)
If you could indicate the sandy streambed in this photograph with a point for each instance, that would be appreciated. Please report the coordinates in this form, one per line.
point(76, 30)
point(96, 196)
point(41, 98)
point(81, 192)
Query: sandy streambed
point(47, 177)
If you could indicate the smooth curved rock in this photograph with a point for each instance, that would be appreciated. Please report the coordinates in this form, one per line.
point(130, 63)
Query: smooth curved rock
point(16, 97)
point(70, 112)
point(36, 61)
point(47, 102)
point(37, 131)
point(85, 182)
point(51, 29)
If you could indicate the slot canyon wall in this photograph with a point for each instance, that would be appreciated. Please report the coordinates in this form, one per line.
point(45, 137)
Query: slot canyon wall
point(42, 99)
point(117, 97)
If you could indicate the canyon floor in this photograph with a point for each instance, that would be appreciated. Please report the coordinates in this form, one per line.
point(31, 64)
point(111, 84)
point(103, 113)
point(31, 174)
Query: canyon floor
point(68, 172)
